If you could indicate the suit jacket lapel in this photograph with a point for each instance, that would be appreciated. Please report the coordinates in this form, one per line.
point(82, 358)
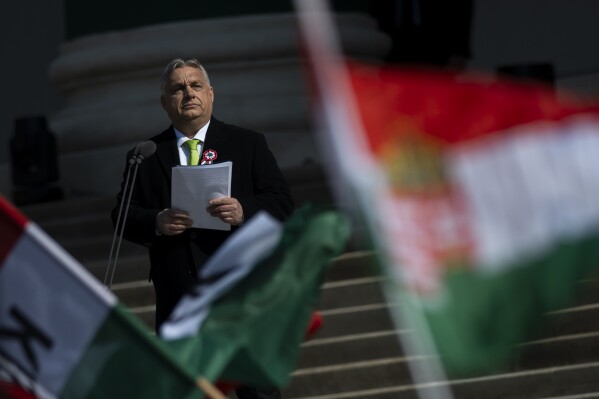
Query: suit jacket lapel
point(167, 152)
point(216, 138)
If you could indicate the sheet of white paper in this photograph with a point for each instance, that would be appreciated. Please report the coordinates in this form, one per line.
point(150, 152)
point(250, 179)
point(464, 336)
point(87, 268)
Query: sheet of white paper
point(194, 186)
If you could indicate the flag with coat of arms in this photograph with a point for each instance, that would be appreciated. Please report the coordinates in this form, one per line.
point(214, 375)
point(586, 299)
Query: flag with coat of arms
point(480, 194)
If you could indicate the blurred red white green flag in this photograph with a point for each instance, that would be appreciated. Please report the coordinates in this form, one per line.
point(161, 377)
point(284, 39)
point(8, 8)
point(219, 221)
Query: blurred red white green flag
point(480, 195)
point(64, 335)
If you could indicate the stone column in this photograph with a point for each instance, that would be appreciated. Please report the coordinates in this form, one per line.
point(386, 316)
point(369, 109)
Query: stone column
point(111, 87)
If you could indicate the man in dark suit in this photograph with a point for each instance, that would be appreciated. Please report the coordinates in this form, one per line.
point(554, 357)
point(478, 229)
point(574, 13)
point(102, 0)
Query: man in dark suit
point(176, 250)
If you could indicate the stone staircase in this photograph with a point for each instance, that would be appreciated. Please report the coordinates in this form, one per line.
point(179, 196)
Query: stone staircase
point(357, 352)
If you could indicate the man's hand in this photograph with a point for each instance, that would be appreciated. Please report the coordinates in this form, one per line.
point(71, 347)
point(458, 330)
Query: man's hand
point(171, 222)
point(228, 210)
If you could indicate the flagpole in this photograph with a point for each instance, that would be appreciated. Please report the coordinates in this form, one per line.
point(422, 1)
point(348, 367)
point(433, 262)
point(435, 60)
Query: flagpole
point(322, 47)
point(209, 389)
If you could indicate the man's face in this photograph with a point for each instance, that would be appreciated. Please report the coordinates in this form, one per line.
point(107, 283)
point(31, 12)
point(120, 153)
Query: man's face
point(187, 98)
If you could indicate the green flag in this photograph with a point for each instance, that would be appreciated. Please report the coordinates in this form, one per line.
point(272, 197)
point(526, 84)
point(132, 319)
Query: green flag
point(252, 331)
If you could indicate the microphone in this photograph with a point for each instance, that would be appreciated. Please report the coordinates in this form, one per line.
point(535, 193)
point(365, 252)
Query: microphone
point(133, 158)
point(142, 151)
point(147, 148)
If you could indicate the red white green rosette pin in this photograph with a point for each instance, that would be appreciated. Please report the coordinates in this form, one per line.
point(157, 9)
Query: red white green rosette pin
point(208, 157)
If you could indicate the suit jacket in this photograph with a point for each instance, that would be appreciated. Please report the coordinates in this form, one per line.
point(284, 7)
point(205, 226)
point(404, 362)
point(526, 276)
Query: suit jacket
point(257, 183)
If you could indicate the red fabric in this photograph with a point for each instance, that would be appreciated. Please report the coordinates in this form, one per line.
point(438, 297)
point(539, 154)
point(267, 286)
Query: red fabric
point(10, 390)
point(225, 386)
point(12, 223)
point(394, 103)
point(315, 324)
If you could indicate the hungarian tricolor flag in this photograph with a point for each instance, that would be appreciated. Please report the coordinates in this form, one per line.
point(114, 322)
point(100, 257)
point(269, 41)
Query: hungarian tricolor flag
point(63, 335)
point(480, 194)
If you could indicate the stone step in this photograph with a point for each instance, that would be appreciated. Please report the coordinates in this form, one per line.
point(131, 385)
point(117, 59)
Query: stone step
point(308, 184)
point(534, 383)
point(337, 357)
point(557, 350)
point(352, 265)
point(135, 294)
point(586, 395)
point(375, 317)
point(357, 353)
point(333, 346)
point(348, 377)
point(547, 352)
point(348, 293)
point(571, 320)
point(349, 348)
point(97, 248)
point(67, 209)
point(357, 321)
point(340, 356)
point(64, 235)
point(587, 291)
point(578, 381)
point(364, 287)
point(92, 225)
point(128, 268)
point(333, 295)
point(146, 315)
point(330, 348)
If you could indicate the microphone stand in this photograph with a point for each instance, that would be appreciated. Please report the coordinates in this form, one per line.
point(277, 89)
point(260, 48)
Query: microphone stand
point(146, 148)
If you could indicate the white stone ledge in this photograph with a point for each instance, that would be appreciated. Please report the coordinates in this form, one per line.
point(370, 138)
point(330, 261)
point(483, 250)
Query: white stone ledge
point(212, 41)
point(111, 86)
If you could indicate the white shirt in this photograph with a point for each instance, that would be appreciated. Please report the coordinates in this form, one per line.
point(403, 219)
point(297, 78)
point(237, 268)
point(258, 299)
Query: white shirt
point(183, 150)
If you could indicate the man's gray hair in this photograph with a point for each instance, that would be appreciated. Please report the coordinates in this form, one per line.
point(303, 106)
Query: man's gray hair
point(180, 63)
